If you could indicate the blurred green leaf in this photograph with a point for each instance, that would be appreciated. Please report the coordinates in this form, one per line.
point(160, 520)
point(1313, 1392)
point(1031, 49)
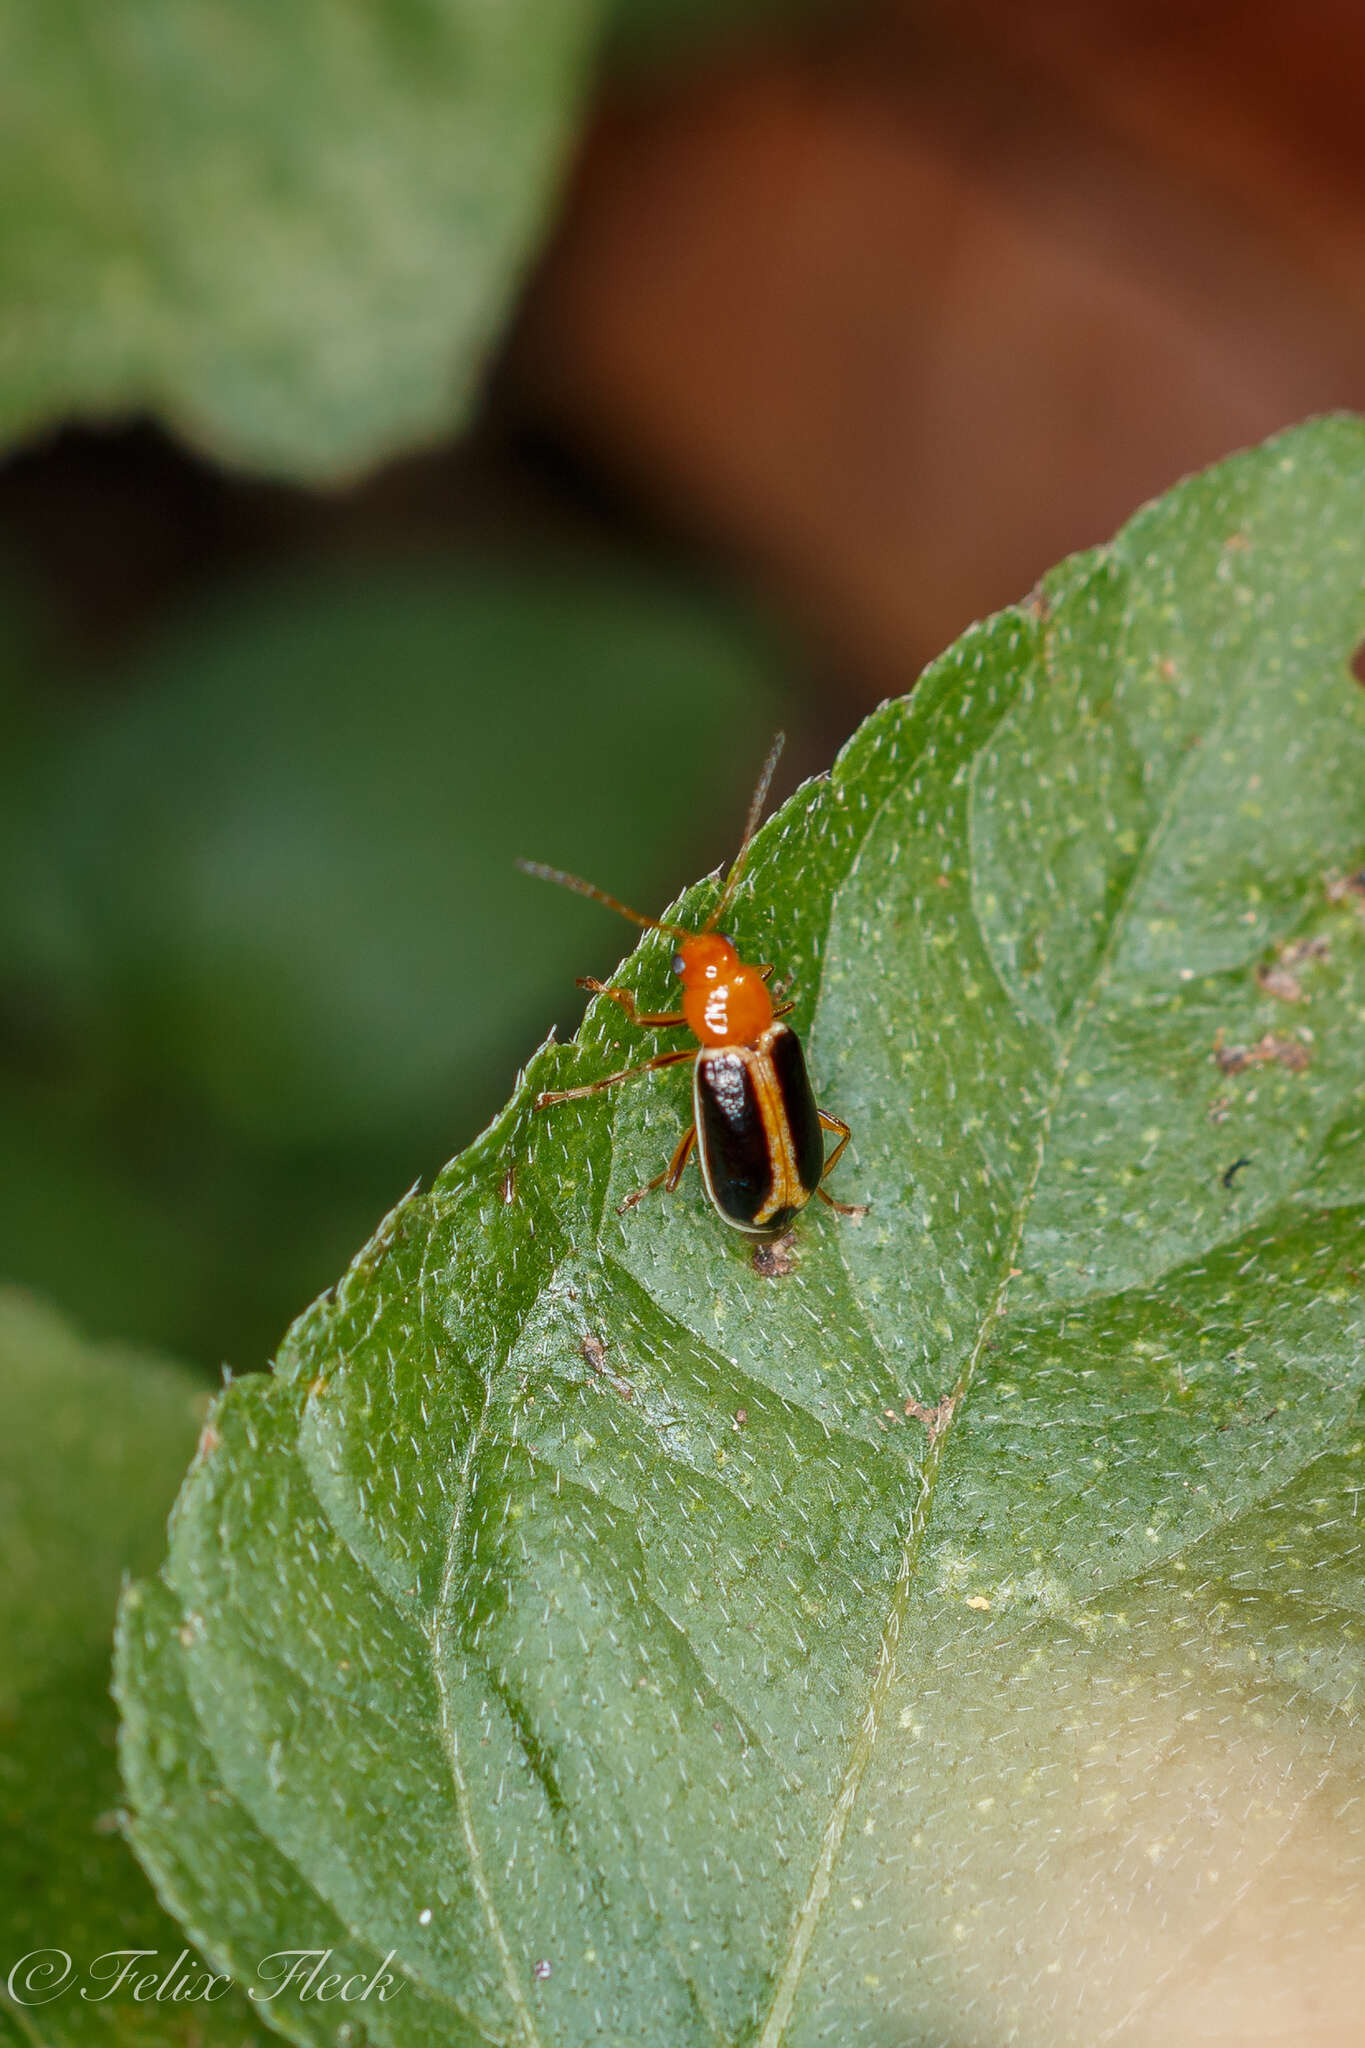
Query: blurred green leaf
point(292, 845)
point(956, 1637)
point(292, 232)
point(272, 958)
point(93, 1446)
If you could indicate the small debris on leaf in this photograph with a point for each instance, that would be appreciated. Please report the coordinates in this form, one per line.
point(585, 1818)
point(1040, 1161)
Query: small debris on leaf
point(1230, 1173)
point(935, 1419)
point(773, 1261)
point(595, 1354)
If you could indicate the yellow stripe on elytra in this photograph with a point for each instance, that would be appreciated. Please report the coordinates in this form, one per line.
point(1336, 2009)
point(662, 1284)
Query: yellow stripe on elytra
point(787, 1191)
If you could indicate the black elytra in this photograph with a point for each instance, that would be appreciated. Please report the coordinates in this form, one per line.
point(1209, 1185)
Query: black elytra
point(760, 1145)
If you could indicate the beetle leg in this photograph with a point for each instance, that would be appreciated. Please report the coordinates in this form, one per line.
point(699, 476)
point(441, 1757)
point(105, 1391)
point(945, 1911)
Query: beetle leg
point(660, 1059)
point(765, 973)
point(680, 1159)
point(623, 996)
point(671, 1175)
point(834, 1123)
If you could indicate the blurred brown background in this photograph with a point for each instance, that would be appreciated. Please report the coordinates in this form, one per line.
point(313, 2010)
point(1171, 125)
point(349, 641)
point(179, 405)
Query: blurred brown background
point(889, 315)
point(906, 313)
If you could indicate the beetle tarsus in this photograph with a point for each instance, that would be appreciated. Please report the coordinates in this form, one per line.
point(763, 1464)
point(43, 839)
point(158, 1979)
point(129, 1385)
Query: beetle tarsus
point(671, 1175)
point(658, 1019)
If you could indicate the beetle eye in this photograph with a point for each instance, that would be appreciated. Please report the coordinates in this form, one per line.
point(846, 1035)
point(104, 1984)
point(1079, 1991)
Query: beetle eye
point(678, 963)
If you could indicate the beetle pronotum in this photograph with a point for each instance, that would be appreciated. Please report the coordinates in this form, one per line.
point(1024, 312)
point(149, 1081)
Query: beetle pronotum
point(756, 1127)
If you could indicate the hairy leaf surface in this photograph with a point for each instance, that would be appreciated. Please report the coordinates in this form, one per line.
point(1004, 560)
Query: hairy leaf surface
point(956, 1637)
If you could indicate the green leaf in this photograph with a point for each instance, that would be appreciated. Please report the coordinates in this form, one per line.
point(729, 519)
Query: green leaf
point(290, 231)
point(93, 1445)
point(956, 1636)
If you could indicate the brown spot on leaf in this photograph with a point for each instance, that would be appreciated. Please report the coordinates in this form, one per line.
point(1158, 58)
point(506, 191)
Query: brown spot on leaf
point(1343, 888)
point(1269, 1050)
point(1358, 664)
point(1280, 983)
point(1319, 948)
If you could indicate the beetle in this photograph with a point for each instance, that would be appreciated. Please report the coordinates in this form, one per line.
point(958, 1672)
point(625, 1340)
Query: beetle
point(758, 1132)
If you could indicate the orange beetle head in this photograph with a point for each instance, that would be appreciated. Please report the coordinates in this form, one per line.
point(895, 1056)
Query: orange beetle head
point(705, 958)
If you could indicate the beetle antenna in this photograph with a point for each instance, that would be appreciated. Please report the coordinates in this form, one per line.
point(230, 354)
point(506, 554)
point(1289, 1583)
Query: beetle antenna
point(756, 803)
point(589, 889)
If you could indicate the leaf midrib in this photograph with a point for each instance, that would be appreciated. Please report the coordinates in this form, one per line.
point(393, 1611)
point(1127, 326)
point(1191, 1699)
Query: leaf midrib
point(806, 1920)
